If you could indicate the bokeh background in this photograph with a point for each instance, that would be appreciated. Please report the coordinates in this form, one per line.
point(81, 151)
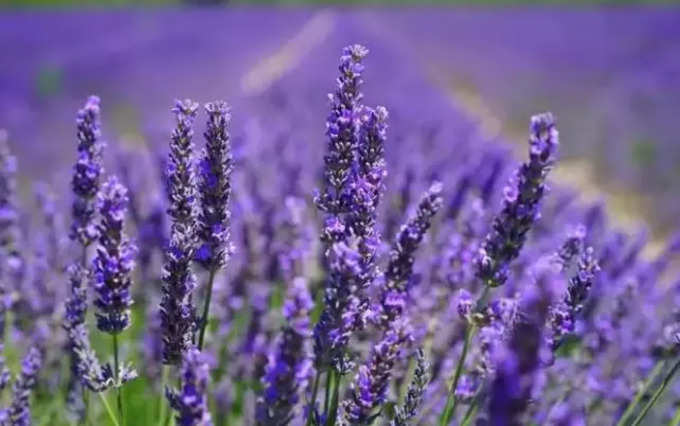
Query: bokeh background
point(610, 72)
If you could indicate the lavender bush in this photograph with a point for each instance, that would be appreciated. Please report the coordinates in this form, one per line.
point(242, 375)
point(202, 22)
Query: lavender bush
point(411, 288)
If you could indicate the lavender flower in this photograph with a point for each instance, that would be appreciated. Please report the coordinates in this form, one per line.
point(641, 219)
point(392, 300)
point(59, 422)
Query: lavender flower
point(19, 410)
point(84, 363)
point(367, 183)
point(415, 393)
point(370, 385)
point(177, 310)
point(289, 367)
point(563, 315)
point(341, 307)
point(521, 204)
point(11, 258)
point(400, 268)
point(86, 173)
point(191, 400)
point(518, 363)
point(214, 187)
point(341, 129)
point(114, 261)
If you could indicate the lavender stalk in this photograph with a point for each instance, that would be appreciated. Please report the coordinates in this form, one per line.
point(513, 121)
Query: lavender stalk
point(214, 187)
point(521, 208)
point(177, 310)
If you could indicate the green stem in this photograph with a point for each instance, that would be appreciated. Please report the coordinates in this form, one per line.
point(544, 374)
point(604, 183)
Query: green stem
point(333, 410)
point(470, 413)
point(119, 396)
point(666, 381)
point(470, 330)
point(676, 418)
point(651, 378)
point(108, 409)
point(86, 402)
point(312, 401)
point(327, 398)
point(206, 307)
point(452, 399)
point(162, 404)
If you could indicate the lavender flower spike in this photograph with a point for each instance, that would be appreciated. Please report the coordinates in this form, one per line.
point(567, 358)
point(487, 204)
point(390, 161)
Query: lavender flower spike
point(177, 311)
point(10, 255)
point(214, 187)
point(342, 132)
point(521, 203)
point(84, 363)
point(19, 411)
point(400, 268)
point(191, 401)
point(517, 363)
point(114, 261)
point(367, 186)
point(290, 366)
point(86, 173)
point(341, 307)
point(371, 382)
point(416, 390)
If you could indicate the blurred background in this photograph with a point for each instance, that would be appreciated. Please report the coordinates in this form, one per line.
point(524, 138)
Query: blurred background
point(610, 71)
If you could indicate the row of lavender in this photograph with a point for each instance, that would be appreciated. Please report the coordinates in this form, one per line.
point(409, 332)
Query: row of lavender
point(613, 91)
point(472, 313)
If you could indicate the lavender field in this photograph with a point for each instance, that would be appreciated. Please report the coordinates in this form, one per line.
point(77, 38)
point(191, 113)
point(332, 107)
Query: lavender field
point(260, 216)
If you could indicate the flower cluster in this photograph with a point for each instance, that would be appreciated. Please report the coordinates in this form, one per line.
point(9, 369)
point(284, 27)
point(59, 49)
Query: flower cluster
point(214, 187)
point(290, 365)
point(177, 310)
point(521, 203)
point(114, 261)
point(87, 173)
point(476, 313)
point(190, 400)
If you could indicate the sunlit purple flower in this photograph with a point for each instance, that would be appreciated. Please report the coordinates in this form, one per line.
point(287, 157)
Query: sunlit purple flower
point(290, 366)
point(177, 310)
point(84, 363)
point(87, 173)
point(341, 306)
point(114, 261)
point(19, 410)
point(370, 384)
point(521, 204)
point(415, 393)
point(191, 399)
point(342, 130)
point(400, 267)
point(214, 188)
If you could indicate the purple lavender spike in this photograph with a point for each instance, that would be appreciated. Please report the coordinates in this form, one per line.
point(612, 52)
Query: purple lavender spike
point(517, 365)
point(84, 363)
point(400, 268)
point(11, 258)
point(114, 261)
point(86, 173)
point(415, 393)
point(342, 129)
point(370, 385)
point(19, 410)
point(341, 307)
point(214, 188)
point(177, 311)
point(290, 365)
point(191, 400)
point(521, 204)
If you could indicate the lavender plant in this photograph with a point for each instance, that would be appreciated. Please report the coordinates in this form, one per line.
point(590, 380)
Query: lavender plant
point(470, 316)
point(214, 189)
